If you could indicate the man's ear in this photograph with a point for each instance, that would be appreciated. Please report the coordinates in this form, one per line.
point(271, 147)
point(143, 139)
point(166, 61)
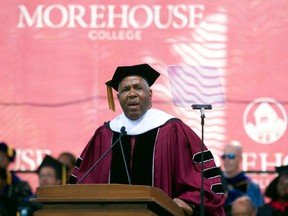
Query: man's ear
point(150, 95)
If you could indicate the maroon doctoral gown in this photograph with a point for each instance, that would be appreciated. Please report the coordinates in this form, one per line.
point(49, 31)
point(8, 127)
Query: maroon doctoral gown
point(167, 157)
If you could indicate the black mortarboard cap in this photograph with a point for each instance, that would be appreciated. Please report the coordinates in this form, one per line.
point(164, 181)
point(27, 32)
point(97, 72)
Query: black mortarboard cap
point(143, 70)
point(282, 170)
point(60, 169)
point(8, 150)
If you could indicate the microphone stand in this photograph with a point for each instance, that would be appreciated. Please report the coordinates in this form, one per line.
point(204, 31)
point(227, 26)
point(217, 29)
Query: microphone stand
point(202, 108)
point(125, 164)
point(122, 133)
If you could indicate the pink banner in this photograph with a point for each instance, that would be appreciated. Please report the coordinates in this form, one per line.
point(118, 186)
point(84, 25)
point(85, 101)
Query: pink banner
point(56, 56)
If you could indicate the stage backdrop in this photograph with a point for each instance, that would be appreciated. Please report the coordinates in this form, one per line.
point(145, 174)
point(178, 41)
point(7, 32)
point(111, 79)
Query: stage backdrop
point(56, 56)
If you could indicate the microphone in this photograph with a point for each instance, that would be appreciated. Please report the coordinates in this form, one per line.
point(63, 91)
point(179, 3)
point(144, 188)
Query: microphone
point(122, 133)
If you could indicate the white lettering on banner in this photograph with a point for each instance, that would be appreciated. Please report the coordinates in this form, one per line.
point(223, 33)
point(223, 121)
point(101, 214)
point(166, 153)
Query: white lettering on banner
point(111, 16)
point(249, 160)
point(277, 162)
point(29, 159)
point(115, 35)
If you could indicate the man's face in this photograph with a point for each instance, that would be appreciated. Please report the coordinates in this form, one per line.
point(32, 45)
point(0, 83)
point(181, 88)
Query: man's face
point(232, 160)
point(134, 96)
point(282, 187)
point(47, 176)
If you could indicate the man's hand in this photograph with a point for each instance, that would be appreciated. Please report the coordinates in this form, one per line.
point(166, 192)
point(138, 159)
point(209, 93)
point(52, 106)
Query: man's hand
point(187, 208)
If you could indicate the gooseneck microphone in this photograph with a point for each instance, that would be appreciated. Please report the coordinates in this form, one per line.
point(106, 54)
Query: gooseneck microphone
point(122, 133)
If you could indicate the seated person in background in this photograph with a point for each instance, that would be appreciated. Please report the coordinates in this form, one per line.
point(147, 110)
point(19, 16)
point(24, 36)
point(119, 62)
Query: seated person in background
point(277, 191)
point(7, 206)
point(237, 183)
point(15, 188)
point(69, 160)
point(243, 206)
point(52, 172)
point(159, 149)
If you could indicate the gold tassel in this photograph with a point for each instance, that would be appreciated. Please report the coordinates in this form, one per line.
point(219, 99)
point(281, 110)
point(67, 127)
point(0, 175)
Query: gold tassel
point(10, 152)
point(111, 102)
point(9, 178)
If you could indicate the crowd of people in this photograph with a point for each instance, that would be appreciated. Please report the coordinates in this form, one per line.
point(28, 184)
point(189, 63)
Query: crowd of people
point(244, 196)
point(147, 146)
point(15, 193)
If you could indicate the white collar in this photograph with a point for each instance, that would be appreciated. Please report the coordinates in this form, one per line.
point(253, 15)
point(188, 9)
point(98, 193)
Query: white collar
point(152, 118)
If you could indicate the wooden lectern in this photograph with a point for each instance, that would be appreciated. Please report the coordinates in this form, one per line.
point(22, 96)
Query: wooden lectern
point(104, 200)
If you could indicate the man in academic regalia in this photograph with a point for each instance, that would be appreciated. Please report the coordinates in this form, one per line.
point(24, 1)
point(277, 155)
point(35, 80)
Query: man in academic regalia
point(237, 182)
point(15, 188)
point(51, 172)
point(277, 191)
point(160, 150)
point(7, 206)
